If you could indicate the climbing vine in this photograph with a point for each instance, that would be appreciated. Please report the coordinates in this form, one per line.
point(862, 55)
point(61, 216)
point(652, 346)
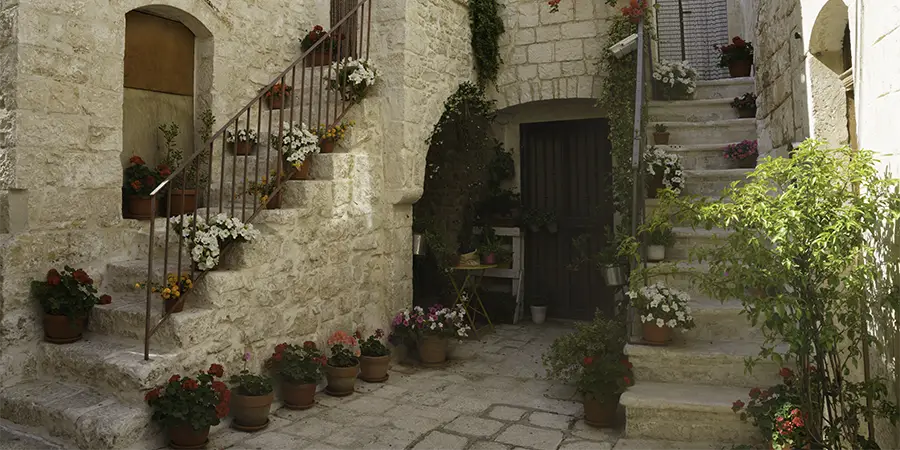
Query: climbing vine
point(487, 26)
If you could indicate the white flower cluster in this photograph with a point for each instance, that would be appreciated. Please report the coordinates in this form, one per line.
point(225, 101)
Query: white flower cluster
point(670, 165)
point(677, 77)
point(245, 135)
point(359, 72)
point(436, 320)
point(205, 239)
point(663, 306)
point(298, 143)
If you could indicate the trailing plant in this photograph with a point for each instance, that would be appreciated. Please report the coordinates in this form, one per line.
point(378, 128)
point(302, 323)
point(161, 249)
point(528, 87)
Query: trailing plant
point(351, 78)
point(372, 345)
point(658, 161)
point(206, 238)
point(487, 26)
point(243, 135)
point(175, 287)
point(801, 258)
point(265, 187)
point(247, 383)
point(502, 167)
point(297, 143)
point(335, 133)
point(69, 293)
point(741, 150)
point(737, 50)
point(199, 402)
point(676, 80)
point(297, 364)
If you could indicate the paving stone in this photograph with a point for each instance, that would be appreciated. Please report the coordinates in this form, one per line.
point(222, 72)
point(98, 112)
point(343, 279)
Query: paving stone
point(581, 444)
point(488, 445)
point(366, 388)
point(443, 441)
point(474, 426)
point(296, 414)
point(550, 420)
point(561, 392)
point(352, 437)
point(507, 413)
point(430, 412)
point(368, 404)
point(531, 437)
point(585, 431)
point(391, 392)
point(312, 428)
point(273, 439)
point(467, 405)
point(392, 438)
point(426, 398)
point(416, 423)
point(15, 440)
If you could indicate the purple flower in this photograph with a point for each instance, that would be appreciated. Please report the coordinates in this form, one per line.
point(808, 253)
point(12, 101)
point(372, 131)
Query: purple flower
point(247, 356)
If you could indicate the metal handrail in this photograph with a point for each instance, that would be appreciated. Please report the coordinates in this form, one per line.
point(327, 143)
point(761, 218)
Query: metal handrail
point(352, 35)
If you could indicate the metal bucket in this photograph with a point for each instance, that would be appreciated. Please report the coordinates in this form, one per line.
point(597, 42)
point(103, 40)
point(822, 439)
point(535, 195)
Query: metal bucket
point(418, 244)
point(614, 275)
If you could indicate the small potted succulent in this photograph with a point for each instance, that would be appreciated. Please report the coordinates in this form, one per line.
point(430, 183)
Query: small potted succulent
point(431, 331)
point(297, 145)
point(737, 57)
point(67, 299)
point(299, 369)
point(343, 365)
point(538, 310)
point(140, 181)
point(172, 292)
point(279, 95)
point(744, 154)
point(187, 407)
point(243, 142)
point(252, 399)
point(322, 54)
point(351, 78)
point(662, 310)
point(264, 189)
point(375, 357)
point(660, 134)
point(664, 170)
point(328, 137)
point(745, 105)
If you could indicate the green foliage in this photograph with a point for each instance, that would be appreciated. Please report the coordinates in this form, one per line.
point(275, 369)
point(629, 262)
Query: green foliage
point(199, 402)
point(247, 383)
point(658, 231)
point(802, 260)
point(592, 359)
point(69, 293)
point(372, 345)
point(487, 26)
point(193, 175)
point(502, 168)
point(296, 364)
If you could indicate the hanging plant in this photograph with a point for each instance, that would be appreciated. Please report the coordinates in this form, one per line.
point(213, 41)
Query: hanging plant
point(487, 26)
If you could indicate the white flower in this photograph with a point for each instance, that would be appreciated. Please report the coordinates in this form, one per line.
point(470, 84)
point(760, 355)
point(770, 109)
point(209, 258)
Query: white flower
point(671, 323)
point(649, 317)
point(665, 308)
point(660, 323)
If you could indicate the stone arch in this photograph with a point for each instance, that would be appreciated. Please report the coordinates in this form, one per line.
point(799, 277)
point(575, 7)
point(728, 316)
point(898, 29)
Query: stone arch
point(541, 89)
point(826, 71)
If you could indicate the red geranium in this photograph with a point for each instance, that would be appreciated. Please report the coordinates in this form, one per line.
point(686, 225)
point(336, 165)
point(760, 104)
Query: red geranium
point(588, 360)
point(754, 393)
point(219, 386)
point(152, 395)
point(174, 378)
point(309, 345)
point(786, 373)
point(105, 299)
point(280, 347)
point(737, 405)
point(53, 277)
point(82, 277)
point(216, 370)
point(200, 401)
point(190, 384)
point(297, 364)
point(69, 293)
point(150, 180)
point(164, 170)
point(137, 160)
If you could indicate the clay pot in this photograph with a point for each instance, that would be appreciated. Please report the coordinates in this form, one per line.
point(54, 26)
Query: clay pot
point(341, 380)
point(185, 436)
point(661, 138)
point(433, 350)
point(274, 201)
point(326, 146)
point(746, 113)
point(172, 308)
point(301, 173)
point(319, 57)
point(298, 396)
point(489, 259)
point(654, 184)
point(275, 101)
point(140, 207)
point(243, 148)
point(61, 329)
point(374, 368)
point(657, 335)
point(747, 163)
point(182, 201)
point(251, 411)
point(740, 68)
point(599, 413)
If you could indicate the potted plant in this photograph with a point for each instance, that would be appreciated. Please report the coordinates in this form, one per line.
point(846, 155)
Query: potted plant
point(206, 239)
point(490, 247)
point(278, 94)
point(745, 105)
point(187, 407)
point(172, 291)
point(592, 359)
point(659, 236)
point(243, 142)
point(67, 299)
point(343, 365)
point(264, 189)
point(737, 57)
point(299, 369)
point(375, 357)
point(183, 198)
point(612, 266)
point(744, 154)
point(662, 310)
point(664, 170)
point(351, 78)
point(635, 11)
point(675, 80)
point(660, 134)
point(252, 399)
point(775, 413)
point(297, 145)
point(538, 311)
point(322, 54)
point(504, 258)
point(328, 137)
point(430, 331)
point(140, 181)
point(501, 208)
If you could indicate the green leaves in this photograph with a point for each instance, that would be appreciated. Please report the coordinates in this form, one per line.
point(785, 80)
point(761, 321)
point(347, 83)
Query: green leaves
point(486, 26)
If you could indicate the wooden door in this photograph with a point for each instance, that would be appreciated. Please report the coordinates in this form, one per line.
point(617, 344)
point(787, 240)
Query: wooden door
point(565, 169)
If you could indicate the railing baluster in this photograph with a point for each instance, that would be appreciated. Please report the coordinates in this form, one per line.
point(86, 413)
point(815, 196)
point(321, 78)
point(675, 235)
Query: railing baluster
point(209, 182)
point(222, 171)
point(259, 106)
point(368, 31)
point(147, 332)
point(244, 188)
point(234, 168)
point(281, 163)
point(293, 87)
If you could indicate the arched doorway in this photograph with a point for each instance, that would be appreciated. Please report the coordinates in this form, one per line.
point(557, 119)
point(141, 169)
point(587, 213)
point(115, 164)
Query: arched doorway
point(830, 76)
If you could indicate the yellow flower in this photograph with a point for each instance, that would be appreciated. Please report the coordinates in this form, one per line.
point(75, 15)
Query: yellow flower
point(264, 199)
point(165, 296)
point(177, 294)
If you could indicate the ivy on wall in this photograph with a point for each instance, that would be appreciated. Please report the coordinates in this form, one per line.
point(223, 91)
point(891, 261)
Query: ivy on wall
point(487, 26)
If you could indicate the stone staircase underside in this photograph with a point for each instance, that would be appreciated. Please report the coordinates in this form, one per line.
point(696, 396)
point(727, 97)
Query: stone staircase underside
point(683, 393)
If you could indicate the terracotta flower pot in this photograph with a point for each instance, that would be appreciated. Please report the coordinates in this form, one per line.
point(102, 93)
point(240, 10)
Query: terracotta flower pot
point(341, 380)
point(185, 436)
point(661, 138)
point(274, 201)
point(172, 308)
point(657, 335)
point(740, 68)
point(374, 368)
point(319, 57)
point(301, 173)
point(326, 146)
point(654, 184)
point(139, 207)
point(251, 411)
point(298, 396)
point(599, 413)
point(62, 330)
point(182, 201)
point(747, 163)
point(243, 148)
point(746, 113)
point(275, 101)
point(433, 350)
point(489, 259)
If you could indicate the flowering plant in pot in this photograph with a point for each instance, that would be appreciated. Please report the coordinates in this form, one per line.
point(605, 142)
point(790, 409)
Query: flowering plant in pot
point(745, 105)
point(278, 94)
point(351, 78)
point(431, 330)
point(243, 142)
point(67, 299)
point(375, 357)
point(664, 170)
point(744, 153)
point(322, 54)
point(172, 292)
point(183, 186)
point(297, 144)
point(206, 239)
point(252, 400)
point(775, 413)
point(298, 368)
point(658, 233)
point(264, 189)
point(187, 407)
point(343, 365)
point(592, 359)
point(140, 181)
point(328, 137)
point(662, 309)
point(635, 10)
point(737, 57)
point(675, 80)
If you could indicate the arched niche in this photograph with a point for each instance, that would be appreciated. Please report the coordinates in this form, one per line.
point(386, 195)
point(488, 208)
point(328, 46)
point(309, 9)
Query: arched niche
point(827, 68)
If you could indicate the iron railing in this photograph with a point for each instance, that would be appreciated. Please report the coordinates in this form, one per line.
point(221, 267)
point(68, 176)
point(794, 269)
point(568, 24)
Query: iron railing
point(311, 101)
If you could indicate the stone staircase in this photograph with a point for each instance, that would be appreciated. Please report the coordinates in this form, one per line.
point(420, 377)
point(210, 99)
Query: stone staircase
point(683, 393)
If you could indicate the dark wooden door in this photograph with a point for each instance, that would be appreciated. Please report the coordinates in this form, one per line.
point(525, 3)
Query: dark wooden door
point(565, 169)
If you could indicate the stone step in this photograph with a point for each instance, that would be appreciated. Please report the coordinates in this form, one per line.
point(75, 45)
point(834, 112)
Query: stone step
point(680, 275)
point(711, 182)
point(724, 88)
point(718, 321)
point(701, 156)
point(686, 413)
point(78, 414)
point(688, 240)
point(701, 362)
point(652, 444)
point(689, 133)
point(692, 110)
